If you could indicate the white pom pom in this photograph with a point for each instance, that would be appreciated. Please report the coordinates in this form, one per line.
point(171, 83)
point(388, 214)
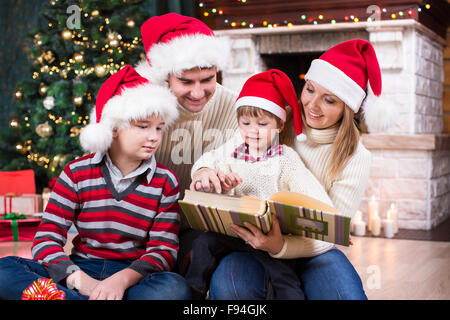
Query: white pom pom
point(301, 137)
point(144, 69)
point(96, 137)
point(379, 113)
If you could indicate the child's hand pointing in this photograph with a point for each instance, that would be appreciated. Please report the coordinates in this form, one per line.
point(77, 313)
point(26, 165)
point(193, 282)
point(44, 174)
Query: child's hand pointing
point(228, 181)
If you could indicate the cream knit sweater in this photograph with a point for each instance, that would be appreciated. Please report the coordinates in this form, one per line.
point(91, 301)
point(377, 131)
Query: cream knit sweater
point(345, 192)
point(194, 133)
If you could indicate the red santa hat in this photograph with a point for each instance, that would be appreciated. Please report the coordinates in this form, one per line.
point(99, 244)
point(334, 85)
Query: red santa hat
point(174, 43)
point(125, 96)
point(347, 70)
point(271, 91)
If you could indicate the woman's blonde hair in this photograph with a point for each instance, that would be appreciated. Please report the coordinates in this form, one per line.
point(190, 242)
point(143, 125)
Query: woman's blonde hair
point(344, 145)
point(285, 134)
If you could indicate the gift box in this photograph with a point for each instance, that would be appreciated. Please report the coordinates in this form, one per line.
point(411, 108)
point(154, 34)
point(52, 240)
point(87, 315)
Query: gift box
point(17, 227)
point(17, 182)
point(25, 203)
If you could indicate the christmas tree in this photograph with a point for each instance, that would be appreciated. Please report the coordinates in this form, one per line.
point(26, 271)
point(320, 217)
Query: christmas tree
point(76, 46)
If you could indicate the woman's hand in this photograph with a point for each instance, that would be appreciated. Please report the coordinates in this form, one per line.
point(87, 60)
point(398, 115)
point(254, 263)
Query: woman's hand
point(228, 181)
point(272, 242)
point(204, 179)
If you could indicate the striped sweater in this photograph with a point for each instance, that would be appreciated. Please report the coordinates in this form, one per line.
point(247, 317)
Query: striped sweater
point(139, 224)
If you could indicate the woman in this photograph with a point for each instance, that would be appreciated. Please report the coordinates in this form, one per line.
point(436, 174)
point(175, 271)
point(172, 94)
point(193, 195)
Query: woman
point(335, 89)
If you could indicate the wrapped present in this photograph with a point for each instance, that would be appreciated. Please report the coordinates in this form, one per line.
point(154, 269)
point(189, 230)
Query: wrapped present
point(25, 203)
point(17, 227)
point(17, 182)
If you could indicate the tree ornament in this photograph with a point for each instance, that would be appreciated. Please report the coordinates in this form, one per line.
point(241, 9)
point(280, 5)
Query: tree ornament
point(14, 123)
point(43, 89)
point(100, 71)
point(37, 39)
point(77, 100)
point(78, 57)
point(130, 23)
point(20, 148)
point(48, 56)
point(58, 161)
point(18, 94)
point(95, 13)
point(114, 39)
point(44, 130)
point(49, 103)
point(66, 34)
point(45, 69)
point(75, 131)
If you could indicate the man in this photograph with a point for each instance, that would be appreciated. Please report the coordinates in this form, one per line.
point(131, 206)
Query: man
point(183, 53)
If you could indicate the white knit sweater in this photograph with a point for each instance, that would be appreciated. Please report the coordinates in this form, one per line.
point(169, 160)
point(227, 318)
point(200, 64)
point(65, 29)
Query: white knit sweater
point(345, 192)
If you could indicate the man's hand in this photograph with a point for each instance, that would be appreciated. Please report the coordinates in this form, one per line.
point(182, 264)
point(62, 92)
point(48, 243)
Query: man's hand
point(206, 179)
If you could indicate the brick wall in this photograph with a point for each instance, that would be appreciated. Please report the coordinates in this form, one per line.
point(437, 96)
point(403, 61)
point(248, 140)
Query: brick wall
point(446, 99)
point(412, 172)
point(428, 88)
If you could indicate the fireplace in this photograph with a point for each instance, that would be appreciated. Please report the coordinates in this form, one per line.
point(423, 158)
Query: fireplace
point(411, 161)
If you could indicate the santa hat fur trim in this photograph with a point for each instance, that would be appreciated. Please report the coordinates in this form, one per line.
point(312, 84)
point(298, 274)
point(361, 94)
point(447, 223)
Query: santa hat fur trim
point(134, 103)
point(184, 53)
point(336, 81)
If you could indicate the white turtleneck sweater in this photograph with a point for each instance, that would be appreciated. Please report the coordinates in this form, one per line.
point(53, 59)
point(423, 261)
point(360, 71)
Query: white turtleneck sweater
point(345, 191)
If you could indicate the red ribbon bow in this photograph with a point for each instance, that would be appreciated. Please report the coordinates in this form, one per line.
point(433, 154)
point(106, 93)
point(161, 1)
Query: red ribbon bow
point(43, 289)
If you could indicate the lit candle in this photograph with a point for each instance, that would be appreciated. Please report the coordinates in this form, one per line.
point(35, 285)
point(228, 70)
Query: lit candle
point(359, 228)
point(388, 227)
point(392, 215)
point(373, 206)
point(356, 218)
point(375, 224)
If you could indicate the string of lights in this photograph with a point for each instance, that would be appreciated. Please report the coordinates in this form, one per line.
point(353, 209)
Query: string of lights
point(303, 18)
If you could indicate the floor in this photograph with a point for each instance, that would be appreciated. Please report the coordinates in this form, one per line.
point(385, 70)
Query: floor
point(390, 269)
point(393, 269)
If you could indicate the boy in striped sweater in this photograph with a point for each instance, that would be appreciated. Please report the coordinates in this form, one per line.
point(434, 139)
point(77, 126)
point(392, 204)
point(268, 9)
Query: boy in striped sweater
point(121, 201)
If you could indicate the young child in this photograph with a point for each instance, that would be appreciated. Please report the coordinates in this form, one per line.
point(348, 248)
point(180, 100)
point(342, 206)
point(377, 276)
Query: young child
point(121, 201)
point(255, 163)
